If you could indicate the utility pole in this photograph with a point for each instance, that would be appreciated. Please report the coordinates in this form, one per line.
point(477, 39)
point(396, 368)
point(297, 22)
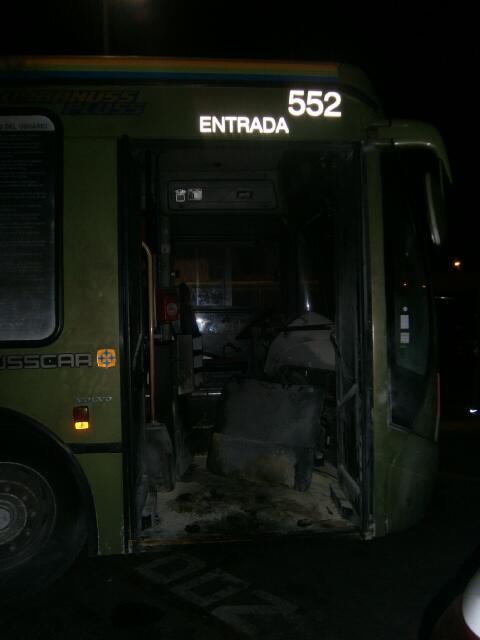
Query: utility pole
point(105, 25)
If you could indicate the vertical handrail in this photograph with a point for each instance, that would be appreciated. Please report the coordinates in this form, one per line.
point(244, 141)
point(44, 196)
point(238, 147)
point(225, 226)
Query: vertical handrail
point(151, 327)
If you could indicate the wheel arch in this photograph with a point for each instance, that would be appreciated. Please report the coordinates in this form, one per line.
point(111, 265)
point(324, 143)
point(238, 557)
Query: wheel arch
point(20, 429)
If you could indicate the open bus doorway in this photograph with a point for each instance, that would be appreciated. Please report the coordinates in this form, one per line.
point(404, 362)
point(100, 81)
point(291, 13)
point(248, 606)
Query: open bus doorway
point(257, 272)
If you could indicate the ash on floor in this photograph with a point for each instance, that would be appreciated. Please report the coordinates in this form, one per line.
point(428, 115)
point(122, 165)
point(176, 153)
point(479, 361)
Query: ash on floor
point(208, 507)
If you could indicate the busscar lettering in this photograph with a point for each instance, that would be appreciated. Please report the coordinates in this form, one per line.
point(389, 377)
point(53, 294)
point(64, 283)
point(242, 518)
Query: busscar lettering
point(14, 362)
point(46, 361)
point(83, 360)
point(263, 125)
point(31, 362)
point(66, 360)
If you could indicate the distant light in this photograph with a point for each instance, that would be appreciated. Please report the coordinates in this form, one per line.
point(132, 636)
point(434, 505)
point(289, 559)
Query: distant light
point(404, 284)
point(457, 264)
point(473, 411)
point(201, 323)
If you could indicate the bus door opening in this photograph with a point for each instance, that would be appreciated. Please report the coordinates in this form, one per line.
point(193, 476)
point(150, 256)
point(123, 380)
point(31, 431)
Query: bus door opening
point(255, 333)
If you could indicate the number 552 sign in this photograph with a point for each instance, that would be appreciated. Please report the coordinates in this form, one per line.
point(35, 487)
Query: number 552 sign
point(314, 103)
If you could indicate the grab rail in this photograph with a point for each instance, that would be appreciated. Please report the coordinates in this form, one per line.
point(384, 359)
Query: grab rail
point(151, 327)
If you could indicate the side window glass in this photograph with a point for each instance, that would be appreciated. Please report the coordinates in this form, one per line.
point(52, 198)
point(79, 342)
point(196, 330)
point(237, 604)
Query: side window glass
point(408, 286)
point(315, 267)
point(28, 227)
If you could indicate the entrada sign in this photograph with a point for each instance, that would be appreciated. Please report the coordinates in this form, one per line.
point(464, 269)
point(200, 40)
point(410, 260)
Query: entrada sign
point(242, 124)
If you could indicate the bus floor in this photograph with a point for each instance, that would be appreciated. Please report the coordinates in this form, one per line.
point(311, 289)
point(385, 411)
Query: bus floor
point(207, 507)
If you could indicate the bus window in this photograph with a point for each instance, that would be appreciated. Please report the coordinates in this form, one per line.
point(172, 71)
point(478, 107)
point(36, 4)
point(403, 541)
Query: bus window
point(315, 265)
point(240, 274)
point(408, 287)
point(28, 184)
point(232, 284)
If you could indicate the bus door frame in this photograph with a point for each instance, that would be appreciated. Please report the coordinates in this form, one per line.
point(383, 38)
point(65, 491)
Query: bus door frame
point(387, 443)
point(354, 378)
point(132, 356)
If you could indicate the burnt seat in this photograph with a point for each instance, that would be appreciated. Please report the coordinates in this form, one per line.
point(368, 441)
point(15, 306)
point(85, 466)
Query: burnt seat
point(266, 432)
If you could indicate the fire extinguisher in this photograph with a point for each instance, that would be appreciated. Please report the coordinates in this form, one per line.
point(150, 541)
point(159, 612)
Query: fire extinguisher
point(167, 305)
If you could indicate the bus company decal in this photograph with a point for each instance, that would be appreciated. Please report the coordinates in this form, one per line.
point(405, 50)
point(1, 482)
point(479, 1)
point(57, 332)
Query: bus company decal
point(93, 399)
point(46, 361)
point(106, 358)
point(81, 102)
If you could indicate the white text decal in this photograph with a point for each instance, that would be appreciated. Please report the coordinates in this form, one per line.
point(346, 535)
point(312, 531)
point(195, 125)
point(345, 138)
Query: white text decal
point(314, 103)
point(243, 124)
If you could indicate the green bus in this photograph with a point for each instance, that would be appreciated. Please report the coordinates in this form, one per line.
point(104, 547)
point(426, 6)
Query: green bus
point(216, 314)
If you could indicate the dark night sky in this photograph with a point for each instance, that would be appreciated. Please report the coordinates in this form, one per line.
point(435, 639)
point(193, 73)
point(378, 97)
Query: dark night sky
point(421, 61)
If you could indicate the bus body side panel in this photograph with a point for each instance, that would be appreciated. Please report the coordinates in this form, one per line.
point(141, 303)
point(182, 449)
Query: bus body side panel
point(90, 324)
point(91, 296)
point(105, 472)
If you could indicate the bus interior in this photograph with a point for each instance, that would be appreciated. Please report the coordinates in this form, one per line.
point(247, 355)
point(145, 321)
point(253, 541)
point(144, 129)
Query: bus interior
point(243, 308)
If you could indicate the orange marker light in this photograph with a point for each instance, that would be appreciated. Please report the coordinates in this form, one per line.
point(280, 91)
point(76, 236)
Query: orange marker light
point(81, 418)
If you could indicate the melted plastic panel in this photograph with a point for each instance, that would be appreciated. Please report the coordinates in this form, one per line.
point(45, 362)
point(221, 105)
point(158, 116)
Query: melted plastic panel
point(311, 348)
point(267, 431)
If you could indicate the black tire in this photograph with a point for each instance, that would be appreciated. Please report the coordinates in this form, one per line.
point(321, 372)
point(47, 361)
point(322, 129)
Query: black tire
point(43, 526)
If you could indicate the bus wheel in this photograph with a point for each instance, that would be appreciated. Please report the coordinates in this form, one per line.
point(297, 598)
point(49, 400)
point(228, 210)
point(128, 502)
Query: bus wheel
point(41, 525)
